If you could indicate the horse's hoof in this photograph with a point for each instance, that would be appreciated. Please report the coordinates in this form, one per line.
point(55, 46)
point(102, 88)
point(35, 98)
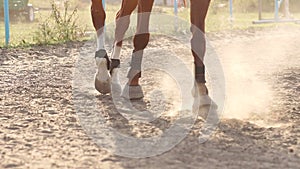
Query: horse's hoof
point(205, 107)
point(205, 100)
point(202, 98)
point(102, 78)
point(132, 92)
point(102, 87)
point(203, 104)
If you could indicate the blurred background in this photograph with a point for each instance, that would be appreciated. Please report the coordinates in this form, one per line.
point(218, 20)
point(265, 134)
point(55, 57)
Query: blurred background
point(26, 31)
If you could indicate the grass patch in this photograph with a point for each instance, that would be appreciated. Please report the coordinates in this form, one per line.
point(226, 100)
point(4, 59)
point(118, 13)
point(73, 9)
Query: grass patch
point(60, 27)
point(23, 34)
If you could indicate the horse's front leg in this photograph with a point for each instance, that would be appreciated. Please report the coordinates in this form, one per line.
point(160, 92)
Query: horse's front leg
point(98, 18)
point(102, 77)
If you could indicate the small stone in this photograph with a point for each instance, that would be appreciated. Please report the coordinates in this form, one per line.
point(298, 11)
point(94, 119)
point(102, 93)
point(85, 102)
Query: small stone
point(72, 119)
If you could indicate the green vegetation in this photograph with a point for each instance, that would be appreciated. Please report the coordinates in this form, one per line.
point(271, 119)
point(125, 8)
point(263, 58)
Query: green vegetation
point(62, 26)
point(56, 24)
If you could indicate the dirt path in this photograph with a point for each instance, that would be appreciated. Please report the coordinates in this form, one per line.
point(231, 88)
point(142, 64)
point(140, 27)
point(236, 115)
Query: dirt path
point(39, 127)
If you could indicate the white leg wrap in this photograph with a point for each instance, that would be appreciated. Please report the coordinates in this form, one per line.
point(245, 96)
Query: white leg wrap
point(100, 41)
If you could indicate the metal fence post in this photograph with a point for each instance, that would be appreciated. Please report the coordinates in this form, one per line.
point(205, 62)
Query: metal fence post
point(276, 10)
point(176, 14)
point(6, 20)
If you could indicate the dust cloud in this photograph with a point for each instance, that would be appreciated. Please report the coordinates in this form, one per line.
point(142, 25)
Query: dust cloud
point(249, 65)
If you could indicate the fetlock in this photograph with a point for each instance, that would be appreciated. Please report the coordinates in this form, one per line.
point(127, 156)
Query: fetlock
point(102, 54)
point(115, 63)
point(202, 89)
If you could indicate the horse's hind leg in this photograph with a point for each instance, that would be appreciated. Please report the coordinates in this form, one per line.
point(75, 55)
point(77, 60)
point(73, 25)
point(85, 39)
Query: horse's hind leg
point(140, 40)
point(102, 77)
point(132, 89)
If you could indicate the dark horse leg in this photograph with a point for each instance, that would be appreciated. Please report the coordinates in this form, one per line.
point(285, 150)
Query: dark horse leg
point(198, 14)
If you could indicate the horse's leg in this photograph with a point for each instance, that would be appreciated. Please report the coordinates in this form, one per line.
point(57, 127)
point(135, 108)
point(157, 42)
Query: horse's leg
point(98, 18)
point(122, 24)
point(102, 78)
point(132, 89)
point(199, 10)
point(140, 40)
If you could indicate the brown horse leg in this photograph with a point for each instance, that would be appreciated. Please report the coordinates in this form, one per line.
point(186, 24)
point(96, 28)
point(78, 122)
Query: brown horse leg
point(199, 10)
point(140, 40)
point(98, 14)
point(122, 24)
point(102, 77)
point(98, 18)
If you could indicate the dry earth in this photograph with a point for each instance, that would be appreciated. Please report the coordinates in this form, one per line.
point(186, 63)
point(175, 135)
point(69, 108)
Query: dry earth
point(39, 127)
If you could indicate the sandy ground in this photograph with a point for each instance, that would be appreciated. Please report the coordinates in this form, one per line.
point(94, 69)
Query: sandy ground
point(39, 127)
